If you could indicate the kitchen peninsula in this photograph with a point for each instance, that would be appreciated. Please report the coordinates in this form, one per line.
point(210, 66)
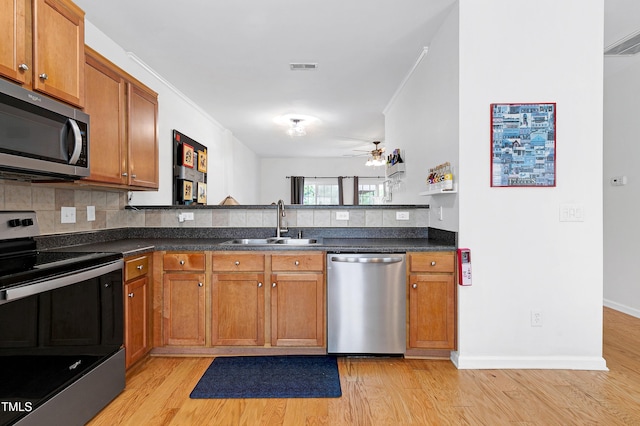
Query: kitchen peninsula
point(207, 291)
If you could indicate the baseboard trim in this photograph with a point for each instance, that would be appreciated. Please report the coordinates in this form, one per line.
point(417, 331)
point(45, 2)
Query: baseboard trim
point(622, 308)
point(528, 362)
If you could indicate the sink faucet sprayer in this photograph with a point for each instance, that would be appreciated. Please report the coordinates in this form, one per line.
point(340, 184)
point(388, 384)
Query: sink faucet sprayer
point(281, 214)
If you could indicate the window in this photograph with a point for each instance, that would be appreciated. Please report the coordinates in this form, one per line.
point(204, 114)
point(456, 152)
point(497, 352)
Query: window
point(320, 193)
point(370, 194)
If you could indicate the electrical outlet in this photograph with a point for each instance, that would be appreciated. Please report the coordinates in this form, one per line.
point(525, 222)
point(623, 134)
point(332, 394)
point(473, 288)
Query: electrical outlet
point(402, 215)
point(571, 213)
point(67, 215)
point(342, 215)
point(91, 213)
point(536, 318)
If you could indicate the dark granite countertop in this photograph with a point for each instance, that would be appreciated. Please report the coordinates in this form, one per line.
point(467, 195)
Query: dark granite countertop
point(330, 240)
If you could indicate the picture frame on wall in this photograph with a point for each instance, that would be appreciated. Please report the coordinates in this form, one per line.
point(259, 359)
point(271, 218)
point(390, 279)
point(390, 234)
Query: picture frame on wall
point(187, 190)
point(523, 144)
point(189, 165)
point(202, 193)
point(187, 155)
point(202, 161)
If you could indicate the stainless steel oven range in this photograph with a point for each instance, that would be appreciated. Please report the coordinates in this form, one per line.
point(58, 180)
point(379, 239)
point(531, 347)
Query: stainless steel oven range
point(61, 328)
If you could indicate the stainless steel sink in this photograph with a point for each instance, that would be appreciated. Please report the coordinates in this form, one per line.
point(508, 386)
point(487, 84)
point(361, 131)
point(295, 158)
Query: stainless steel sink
point(297, 241)
point(249, 241)
point(273, 240)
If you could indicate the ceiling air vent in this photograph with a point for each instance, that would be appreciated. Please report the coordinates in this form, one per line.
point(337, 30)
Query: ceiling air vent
point(303, 66)
point(628, 46)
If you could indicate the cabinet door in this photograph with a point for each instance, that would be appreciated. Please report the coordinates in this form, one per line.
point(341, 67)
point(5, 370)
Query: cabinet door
point(432, 311)
point(238, 309)
point(142, 137)
point(105, 103)
point(136, 334)
point(297, 309)
point(184, 309)
point(12, 33)
point(58, 50)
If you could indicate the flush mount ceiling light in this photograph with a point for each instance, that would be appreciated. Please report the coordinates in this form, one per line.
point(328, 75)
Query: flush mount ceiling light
point(296, 128)
point(297, 124)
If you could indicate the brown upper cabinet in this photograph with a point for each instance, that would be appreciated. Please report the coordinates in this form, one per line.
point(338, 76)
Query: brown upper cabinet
point(43, 47)
point(123, 130)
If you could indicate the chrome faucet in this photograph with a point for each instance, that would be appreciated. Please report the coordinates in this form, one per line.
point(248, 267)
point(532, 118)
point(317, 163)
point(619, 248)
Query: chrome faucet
point(281, 214)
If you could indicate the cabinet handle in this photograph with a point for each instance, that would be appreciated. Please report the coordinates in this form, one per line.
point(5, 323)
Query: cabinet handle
point(415, 286)
point(199, 284)
point(182, 262)
point(433, 263)
point(273, 285)
point(43, 76)
point(237, 262)
point(125, 174)
point(133, 176)
point(23, 67)
point(130, 295)
point(139, 267)
point(259, 285)
point(296, 263)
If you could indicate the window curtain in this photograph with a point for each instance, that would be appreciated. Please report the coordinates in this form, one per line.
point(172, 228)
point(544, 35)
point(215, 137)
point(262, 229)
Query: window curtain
point(297, 189)
point(356, 195)
point(340, 190)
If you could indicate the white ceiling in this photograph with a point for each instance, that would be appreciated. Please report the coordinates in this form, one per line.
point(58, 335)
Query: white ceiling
point(232, 59)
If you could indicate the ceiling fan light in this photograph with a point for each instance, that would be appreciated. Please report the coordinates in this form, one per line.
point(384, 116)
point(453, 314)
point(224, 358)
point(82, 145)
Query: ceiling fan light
point(375, 161)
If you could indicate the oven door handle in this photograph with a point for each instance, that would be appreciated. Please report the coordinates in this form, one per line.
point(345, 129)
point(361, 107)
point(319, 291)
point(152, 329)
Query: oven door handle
point(54, 283)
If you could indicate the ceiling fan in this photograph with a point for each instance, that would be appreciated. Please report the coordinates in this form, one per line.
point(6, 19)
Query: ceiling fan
point(375, 155)
point(376, 152)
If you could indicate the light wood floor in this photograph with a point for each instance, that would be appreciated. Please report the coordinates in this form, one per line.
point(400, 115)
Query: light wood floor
point(394, 392)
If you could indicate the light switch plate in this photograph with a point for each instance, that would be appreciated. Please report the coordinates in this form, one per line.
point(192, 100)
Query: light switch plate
point(91, 213)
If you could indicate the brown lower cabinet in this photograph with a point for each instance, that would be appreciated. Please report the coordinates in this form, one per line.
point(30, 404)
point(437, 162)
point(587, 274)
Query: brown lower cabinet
point(289, 308)
point(297, 309)
point(237, 316)
point(183, 299)
point(137, 307)
point(432, 299)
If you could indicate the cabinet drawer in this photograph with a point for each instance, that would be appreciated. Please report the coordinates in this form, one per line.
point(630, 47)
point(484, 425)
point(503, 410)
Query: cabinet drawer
point(238, 262)
point(432, 262)
point(136, 267)
point(183, 261)
point(298, 262)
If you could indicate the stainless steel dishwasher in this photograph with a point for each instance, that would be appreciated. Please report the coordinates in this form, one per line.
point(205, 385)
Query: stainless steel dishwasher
point(366, 303)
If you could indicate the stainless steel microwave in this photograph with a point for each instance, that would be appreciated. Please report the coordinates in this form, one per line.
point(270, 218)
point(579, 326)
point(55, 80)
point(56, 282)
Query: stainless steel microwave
point(40, 138)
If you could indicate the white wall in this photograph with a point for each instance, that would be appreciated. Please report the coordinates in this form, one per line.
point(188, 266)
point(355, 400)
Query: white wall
point(523, 257)
point(621, 230)
point(275, 185)
point(233, 169)
point(422, 120)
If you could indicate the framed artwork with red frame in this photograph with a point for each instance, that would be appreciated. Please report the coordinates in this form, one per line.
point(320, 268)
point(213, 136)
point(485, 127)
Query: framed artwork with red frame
point(523, 144)
point(187, 155)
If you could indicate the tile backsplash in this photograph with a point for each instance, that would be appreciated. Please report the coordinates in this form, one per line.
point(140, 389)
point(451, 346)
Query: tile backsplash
point(47, 200)
point(110, 213)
